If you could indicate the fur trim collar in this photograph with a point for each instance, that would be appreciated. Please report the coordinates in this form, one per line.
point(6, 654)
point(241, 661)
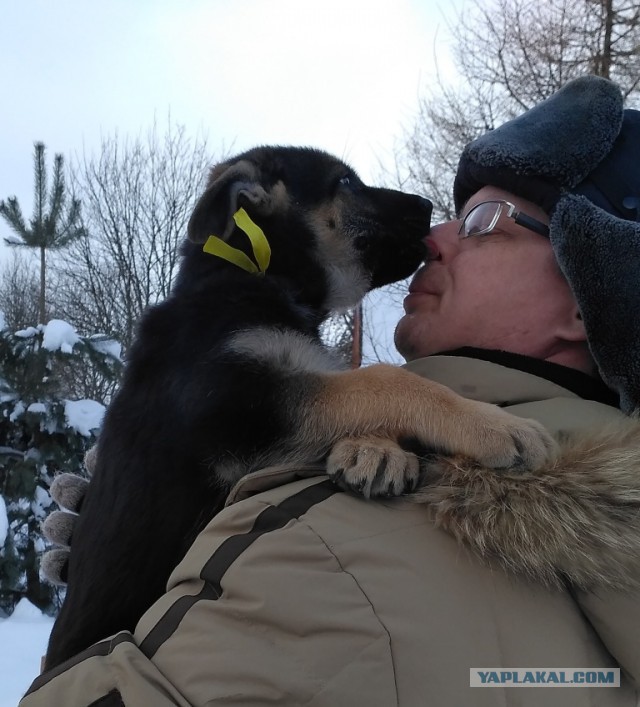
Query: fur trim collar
point(577, 520)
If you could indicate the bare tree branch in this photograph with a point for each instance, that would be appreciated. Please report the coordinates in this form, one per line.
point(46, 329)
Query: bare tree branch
point(137, 196)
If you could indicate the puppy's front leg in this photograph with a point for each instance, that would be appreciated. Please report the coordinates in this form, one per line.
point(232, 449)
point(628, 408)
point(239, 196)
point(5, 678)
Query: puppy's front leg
point(388, 402)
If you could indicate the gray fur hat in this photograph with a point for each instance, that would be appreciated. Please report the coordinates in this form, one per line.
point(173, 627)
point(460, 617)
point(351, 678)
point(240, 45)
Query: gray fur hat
point(577, 155)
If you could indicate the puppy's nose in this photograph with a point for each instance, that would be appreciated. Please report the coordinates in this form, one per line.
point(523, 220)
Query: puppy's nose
point(420, 213)
point(426, 206)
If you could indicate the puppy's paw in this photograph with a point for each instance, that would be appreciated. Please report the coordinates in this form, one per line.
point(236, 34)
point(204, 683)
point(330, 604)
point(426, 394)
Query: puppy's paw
point(505, 441)
point(58, 527)
point(373, 467)
point(69, 490)
point(54, 565)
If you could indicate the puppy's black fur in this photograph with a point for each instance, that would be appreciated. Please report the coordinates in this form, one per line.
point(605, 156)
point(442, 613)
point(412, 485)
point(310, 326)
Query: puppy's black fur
point(220, 373)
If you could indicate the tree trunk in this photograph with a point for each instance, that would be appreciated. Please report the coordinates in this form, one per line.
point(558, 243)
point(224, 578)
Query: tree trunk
point(41, 306)
point(356, 341)
point(605, 66)
point(37, 592)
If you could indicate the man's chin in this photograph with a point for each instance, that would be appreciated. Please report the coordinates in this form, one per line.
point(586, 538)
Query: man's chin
point(402, 338)
point(411, 341)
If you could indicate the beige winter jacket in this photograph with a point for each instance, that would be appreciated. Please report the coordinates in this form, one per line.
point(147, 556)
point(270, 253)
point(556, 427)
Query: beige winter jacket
point(300, 594)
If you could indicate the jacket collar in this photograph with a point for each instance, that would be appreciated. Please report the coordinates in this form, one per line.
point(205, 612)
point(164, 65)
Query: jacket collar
point(271, 477)
point(567, 380)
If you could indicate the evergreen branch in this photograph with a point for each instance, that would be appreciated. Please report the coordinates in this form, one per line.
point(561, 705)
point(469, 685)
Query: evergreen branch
point(10, 452)
point(40, 184)
point(56, 200)
point(12, 214)
point(72, 229)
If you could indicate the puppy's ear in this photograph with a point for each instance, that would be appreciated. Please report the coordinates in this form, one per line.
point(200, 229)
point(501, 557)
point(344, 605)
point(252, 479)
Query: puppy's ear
point(230, 185)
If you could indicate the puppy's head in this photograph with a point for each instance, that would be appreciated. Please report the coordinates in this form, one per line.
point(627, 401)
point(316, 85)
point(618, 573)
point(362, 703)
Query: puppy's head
point(323, 223)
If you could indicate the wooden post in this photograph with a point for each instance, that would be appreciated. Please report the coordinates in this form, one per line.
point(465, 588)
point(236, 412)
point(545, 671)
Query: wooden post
point(356, 337)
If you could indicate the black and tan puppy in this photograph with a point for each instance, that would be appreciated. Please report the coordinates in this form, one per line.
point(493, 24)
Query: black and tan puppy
point(228, 375)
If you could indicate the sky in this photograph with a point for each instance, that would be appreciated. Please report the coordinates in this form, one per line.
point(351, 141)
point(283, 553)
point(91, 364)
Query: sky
point(341, 75)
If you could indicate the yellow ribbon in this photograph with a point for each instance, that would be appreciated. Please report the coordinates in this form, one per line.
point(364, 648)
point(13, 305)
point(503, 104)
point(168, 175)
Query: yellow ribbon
point(259, 243)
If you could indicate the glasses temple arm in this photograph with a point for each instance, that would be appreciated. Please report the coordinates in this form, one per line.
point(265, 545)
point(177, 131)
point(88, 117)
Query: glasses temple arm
point(531, 223)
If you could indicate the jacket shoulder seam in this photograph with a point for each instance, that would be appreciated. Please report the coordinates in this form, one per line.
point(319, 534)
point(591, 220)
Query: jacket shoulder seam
point(364, 594)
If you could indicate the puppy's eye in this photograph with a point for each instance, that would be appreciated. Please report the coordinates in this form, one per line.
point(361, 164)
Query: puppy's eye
point(348, 181)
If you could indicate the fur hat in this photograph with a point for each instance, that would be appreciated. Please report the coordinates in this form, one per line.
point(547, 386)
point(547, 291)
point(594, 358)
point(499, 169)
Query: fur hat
point(577, 155)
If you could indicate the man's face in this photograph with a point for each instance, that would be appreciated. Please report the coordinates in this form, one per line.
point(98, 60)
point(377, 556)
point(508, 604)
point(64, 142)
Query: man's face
point(502, 290)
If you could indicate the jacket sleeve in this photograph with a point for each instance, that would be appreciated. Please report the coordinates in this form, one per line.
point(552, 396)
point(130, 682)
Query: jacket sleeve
point(112, 673)
point(256, 581)
point(575, 522)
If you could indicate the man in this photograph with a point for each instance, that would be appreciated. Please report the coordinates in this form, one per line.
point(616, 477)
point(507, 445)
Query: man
point(299, 593)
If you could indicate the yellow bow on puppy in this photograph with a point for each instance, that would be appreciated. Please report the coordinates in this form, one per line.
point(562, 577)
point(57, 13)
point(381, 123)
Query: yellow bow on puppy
point(259, 243)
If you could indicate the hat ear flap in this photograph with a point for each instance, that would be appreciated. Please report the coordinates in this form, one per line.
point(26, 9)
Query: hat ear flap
point(599, 255)
point(229, 186)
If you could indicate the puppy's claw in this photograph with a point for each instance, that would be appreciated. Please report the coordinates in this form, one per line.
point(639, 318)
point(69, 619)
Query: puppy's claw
point(373, 467)
point(533, 445)
point(498, 440)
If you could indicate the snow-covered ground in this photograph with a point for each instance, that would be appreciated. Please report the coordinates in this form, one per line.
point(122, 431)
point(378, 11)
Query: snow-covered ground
point(23, 639)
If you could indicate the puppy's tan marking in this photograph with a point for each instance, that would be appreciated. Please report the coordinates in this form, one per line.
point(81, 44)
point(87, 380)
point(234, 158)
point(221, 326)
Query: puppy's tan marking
point(348, 281)
point(386, 401)
point(286, 350)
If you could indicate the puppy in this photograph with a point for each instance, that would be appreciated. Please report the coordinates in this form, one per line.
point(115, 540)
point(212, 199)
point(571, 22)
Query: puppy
point(228, 375)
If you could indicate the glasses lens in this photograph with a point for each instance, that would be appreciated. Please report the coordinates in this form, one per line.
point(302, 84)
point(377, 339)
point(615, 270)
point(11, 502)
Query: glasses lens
point(481, 219)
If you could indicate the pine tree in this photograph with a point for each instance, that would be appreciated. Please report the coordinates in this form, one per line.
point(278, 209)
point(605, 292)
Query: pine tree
point(41, 433)
point(50, 228)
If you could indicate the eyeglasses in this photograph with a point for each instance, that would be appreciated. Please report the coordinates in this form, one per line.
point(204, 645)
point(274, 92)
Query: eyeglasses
point(483, 217)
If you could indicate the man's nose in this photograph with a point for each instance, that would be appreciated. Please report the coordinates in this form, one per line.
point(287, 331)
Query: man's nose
point(443, 242)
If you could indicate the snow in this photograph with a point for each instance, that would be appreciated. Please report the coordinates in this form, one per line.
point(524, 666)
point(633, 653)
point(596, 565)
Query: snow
point(4, 523)
point(41, 503)
point(23, 641)
point(27, 333)
point(108, 347)
point(13, 240)
point(59, 336)
point(26, 611)
point(17, 411)
point(3, 321)
point(83, 415)
point(6, 395)
point(37, 407)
